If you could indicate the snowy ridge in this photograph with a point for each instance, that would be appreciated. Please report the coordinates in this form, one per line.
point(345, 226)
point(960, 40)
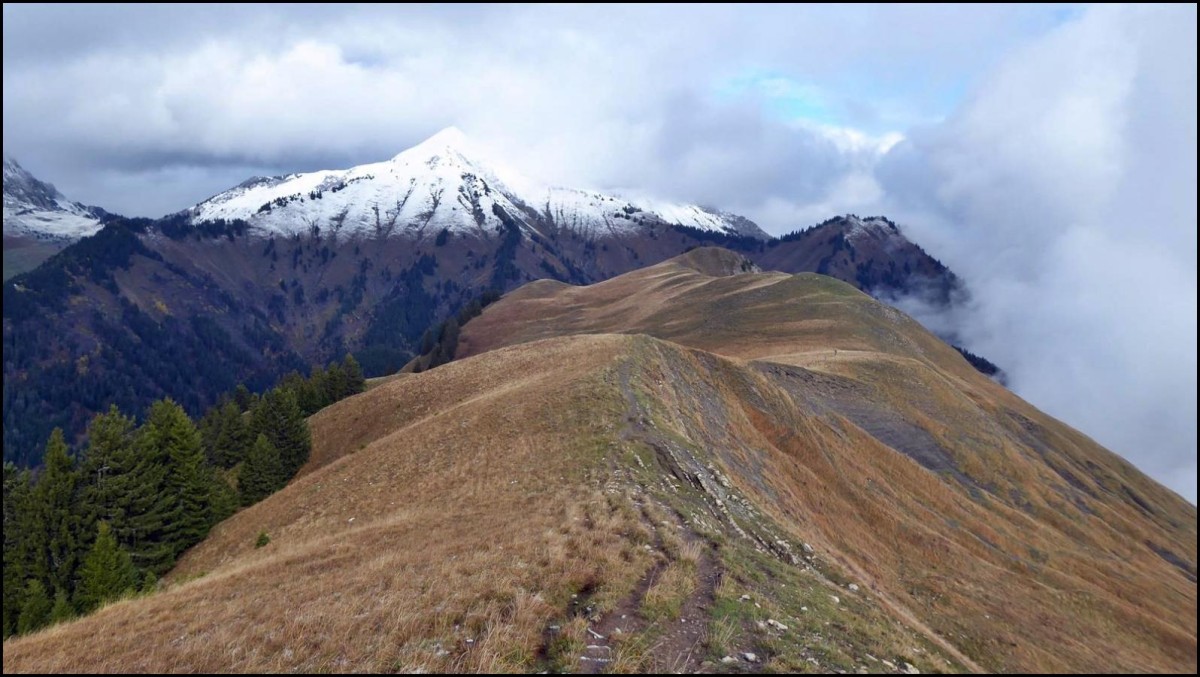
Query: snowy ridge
point(875, 227)
point(442, 183)
point(34, 208)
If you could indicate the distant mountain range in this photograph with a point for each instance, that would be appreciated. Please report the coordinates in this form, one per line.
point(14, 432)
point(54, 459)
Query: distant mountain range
point(39, 220)
point(281, 273)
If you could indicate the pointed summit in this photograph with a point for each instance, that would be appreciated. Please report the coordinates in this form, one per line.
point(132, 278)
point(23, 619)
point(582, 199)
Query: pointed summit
point(448, 182)
point(447, 141)
point(13, 169)
point(450, 137)
point(36, 209)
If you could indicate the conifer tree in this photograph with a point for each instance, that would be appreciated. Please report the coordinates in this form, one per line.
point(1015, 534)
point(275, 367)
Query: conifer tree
point(310, 394)
point(320, 390)
point(223, 499)
point(447, 344)
point(336, 383)
point(279, 418)
point(17, 504)
point(107, 572)
point(109, 453)
point(355, 383)
point(210, 426)
point(233, 440)
point(292, 381)
point(242, 397)
point(262, 473)
point(148, 508)
point(35, 607)
point(56, 516)
point(62, 610)
point(188, 481)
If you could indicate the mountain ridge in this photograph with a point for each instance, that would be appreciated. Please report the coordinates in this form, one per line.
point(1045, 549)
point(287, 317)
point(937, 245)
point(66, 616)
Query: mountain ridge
point(39, 220)
point(807, 481)
point(37, 209)
point(442, 183)
point(111, 319)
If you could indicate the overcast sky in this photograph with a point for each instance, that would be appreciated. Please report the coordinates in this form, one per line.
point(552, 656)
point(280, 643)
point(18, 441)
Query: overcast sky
point(1046, 154)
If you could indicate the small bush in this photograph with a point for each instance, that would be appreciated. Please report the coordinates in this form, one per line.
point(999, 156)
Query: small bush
point(263, 539)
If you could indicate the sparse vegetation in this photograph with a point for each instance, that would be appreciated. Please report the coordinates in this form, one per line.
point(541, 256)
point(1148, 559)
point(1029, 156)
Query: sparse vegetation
point(666, 595)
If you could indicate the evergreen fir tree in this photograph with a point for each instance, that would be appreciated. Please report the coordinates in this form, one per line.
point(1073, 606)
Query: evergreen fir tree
point(17, 505)
point(223, 499)
point(262, 473)
point(292, 381)
point(447, 344)
point(279, 418)
point(188, 480)
point(149, 507)
point(336, 384)
point(35, 607)
point(233, 441)
point(319, 392)
point(62, 609)
point(309, 398)
point(57, 518)
point(211, 426)
point(109, 451)
point(107, 572)
point(242, 397)
point(355, 383)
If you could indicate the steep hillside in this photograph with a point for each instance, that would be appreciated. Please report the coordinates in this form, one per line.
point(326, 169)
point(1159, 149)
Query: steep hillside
point(702, 299)
point(38, 220)
point(733, 495)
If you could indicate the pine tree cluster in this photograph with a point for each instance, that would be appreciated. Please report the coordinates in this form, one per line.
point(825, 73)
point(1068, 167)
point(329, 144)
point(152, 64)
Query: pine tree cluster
point(81, 532)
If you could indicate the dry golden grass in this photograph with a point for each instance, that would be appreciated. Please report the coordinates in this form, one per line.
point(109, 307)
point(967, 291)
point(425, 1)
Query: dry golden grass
point(1039, 562)
point(792, 319)
point(377, 381)
point(472, 501)
point(665, 598)
point(968, 568)
point(474, 514)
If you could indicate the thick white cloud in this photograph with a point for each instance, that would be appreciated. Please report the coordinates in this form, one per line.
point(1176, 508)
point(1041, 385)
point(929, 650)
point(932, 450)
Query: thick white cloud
point(1046, 154)
point(630, 96)
point(1064, 192)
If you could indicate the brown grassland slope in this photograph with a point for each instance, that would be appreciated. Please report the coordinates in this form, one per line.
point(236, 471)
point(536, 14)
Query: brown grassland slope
point(716, 482)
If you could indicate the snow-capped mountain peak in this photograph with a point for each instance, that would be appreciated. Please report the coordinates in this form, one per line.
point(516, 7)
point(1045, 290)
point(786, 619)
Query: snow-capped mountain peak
point(34, 208)
point(445, 183)
point(448, 142)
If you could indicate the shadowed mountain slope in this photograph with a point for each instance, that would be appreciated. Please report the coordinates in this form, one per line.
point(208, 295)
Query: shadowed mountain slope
point(725, 487)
